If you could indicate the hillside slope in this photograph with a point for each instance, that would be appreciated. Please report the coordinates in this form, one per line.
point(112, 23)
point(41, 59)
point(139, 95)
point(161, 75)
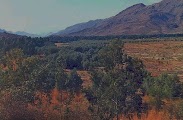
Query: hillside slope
point(165, 17)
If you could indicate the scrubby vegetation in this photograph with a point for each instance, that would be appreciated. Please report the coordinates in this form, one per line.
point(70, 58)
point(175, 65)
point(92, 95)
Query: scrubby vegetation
point(43, 81)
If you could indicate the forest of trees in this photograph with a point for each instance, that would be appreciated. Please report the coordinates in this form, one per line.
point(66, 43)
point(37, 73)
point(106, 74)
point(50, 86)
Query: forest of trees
point(39, 81)
point(66, 39)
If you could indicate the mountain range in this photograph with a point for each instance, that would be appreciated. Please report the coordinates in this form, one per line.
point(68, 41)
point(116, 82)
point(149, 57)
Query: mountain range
point(20, 33)
point(165, 17)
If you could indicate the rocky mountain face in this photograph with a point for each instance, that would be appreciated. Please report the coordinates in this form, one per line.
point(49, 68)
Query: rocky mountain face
point(165, 17)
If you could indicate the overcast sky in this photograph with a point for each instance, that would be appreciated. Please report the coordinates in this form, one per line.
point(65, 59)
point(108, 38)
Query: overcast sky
point(42, 16)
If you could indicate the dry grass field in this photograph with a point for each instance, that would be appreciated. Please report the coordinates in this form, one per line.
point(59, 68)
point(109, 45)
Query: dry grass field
point(85, 76)
point(61, 44)
point(159, 57)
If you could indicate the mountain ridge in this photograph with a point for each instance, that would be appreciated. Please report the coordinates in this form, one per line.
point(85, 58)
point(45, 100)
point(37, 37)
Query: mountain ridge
point(165, 17)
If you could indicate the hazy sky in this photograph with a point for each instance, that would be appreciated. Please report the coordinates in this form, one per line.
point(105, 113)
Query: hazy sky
point(41, 16)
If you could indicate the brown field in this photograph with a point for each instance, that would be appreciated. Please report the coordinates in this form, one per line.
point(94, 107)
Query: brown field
point(61, 44)
point(85, 76)
point(159, 57)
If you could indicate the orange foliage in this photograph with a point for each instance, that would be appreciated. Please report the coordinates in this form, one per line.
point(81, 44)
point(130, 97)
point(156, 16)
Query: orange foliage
point(58, 103)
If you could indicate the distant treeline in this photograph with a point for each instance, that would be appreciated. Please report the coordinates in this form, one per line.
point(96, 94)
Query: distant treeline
point(27, 44)
point(125, 37)
point(40, 45)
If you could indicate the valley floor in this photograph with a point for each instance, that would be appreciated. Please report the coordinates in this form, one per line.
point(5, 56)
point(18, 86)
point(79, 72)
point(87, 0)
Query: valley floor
point(159, 57)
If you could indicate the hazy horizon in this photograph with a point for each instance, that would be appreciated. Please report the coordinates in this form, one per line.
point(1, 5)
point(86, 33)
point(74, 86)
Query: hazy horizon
point(44, 16)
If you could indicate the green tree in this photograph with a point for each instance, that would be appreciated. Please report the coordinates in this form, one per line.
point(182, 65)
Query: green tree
point(162, 87)
point(74, 83)
point(112, 55)
point(116, 88)
point(16, 75)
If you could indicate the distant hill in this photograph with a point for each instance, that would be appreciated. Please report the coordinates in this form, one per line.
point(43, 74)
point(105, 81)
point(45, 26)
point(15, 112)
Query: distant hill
point(1, 31)
point(7, 36)
point(21, 33)
point(165, 17)
point(26, 34)
point(79, 27)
